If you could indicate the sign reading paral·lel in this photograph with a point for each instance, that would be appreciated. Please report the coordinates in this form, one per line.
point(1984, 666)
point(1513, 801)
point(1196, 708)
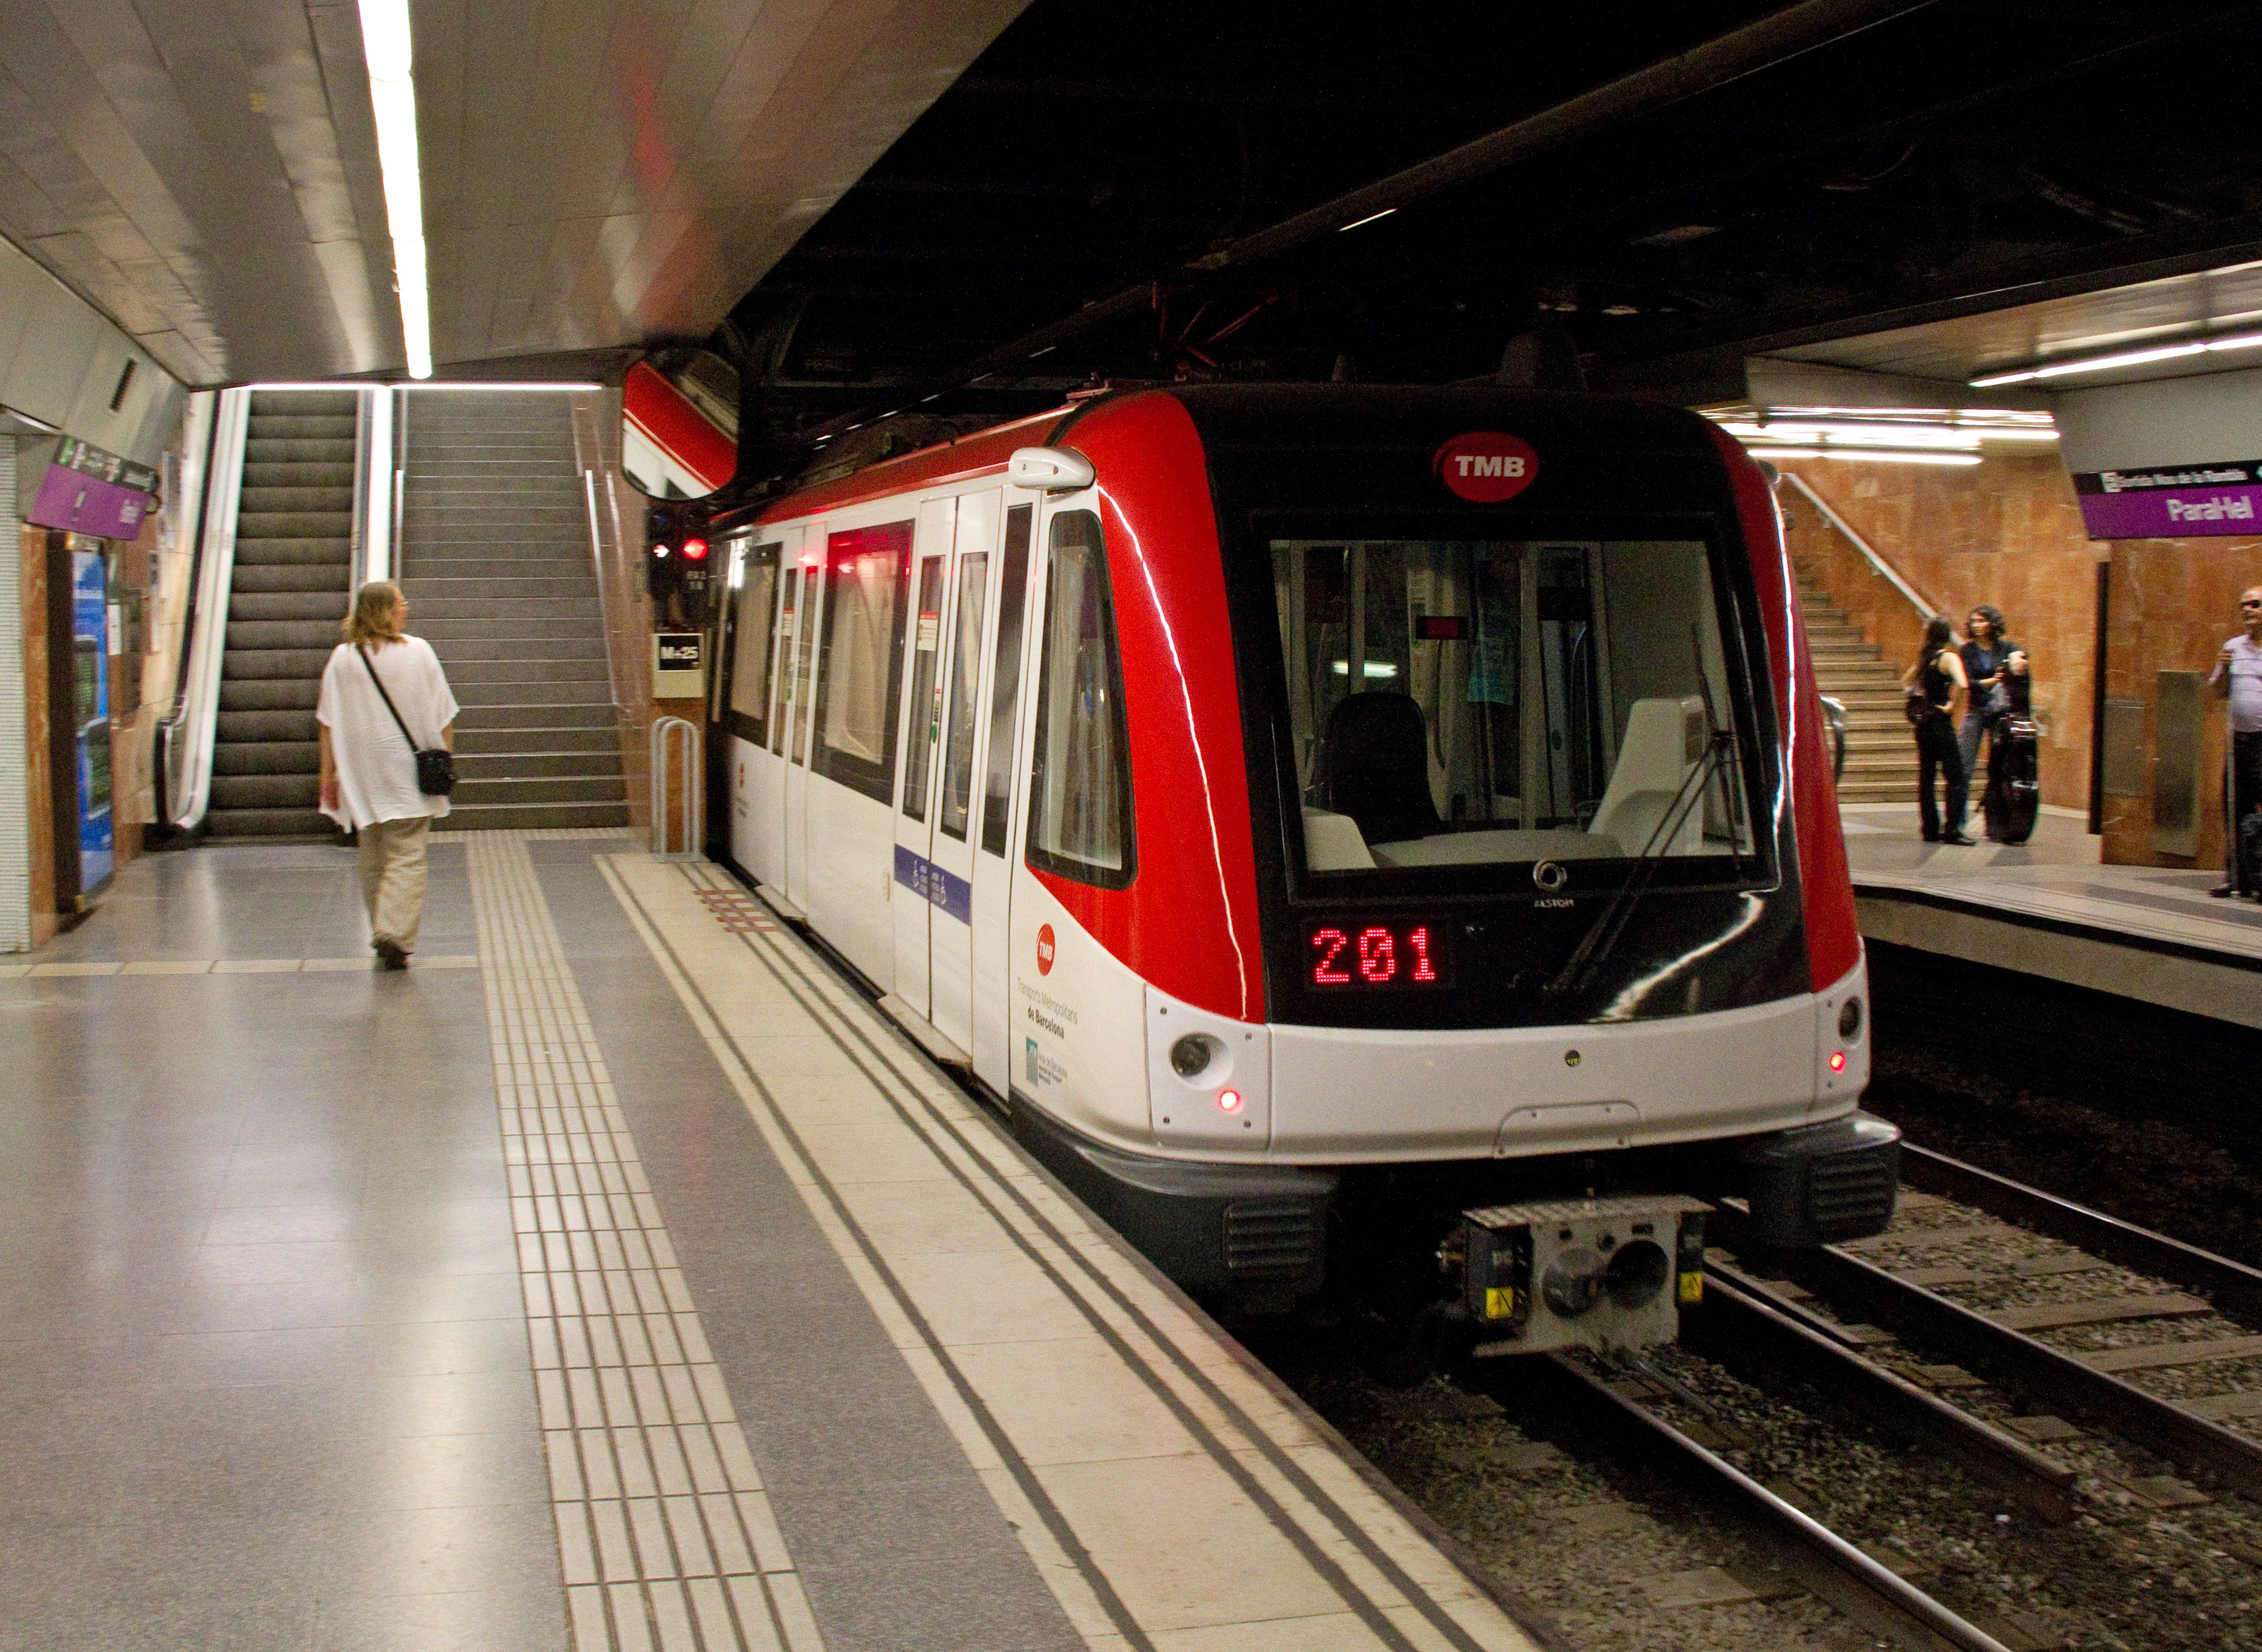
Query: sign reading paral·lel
point(2173, 501)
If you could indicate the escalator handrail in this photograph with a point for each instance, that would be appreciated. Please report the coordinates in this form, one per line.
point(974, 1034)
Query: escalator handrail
point(189, 730)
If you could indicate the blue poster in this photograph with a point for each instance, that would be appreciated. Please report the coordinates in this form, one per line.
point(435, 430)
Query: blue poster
point(90, 658)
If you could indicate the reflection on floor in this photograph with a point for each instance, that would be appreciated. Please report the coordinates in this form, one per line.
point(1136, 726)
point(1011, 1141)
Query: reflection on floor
point(2055, 877)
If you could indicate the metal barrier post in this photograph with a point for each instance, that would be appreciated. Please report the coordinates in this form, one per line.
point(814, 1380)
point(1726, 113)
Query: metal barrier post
point(665, 739)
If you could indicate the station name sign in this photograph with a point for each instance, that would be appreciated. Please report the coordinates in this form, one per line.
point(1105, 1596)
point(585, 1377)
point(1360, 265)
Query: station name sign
point(2173, 501)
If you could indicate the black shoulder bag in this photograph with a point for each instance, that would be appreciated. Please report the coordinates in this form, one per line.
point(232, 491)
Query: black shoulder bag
point(436, 768)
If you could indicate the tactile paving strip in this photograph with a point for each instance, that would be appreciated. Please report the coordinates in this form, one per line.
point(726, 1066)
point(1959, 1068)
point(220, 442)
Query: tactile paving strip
point(664, 1530)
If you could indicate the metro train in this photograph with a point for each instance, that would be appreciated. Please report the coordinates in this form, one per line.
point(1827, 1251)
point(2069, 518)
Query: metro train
point(1374, 845)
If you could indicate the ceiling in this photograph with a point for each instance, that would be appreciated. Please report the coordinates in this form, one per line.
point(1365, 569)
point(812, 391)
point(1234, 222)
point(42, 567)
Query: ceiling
point(1071, 210)
point(2173, 310)
point(595, 172)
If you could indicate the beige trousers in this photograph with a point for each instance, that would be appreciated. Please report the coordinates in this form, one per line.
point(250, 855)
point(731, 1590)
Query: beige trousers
point(394, 868)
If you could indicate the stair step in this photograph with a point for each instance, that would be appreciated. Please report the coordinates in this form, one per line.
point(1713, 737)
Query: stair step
point(468, 650)
point(302, 427)
point(293, 634)
point(266, 791)
point(269, 823)
point(443, 633)
point(287, 524)
point(502, 715)
point(267, 757)
point(492, 673)
point(293, 727)
point(284, 450)
point(263, 501)
point(594, 766)
point(270, 694)
point(500, 588)
point(253, 578)
point(276, 549)
point(536, 742)
point(251, 664)
point(327, 604)
point(506, 611)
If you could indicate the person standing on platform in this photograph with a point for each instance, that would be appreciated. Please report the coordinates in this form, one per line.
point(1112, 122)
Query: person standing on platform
point(1985, 659)
point(368, 758)
point(2238, 678)
point(1937, 689)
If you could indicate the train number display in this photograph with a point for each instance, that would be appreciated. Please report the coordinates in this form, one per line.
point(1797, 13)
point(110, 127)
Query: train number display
point(1352, 956)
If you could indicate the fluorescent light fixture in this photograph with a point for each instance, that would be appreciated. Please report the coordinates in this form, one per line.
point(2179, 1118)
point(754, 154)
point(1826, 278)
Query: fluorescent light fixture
point(520, 387)
point(1901, 458)
point(2124, 358)
point(1369, 219)
point(1860, 434)
point(386, 48)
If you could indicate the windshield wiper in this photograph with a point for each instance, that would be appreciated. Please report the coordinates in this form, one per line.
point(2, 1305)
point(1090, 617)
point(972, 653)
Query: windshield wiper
point(1602, 934)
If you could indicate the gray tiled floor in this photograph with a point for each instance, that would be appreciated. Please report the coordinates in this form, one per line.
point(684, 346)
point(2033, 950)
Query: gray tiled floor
point(258, 901)
point(263, 1376)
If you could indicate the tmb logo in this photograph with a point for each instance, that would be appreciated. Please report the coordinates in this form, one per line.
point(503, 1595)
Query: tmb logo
point(1045, 949)
point(1487, 466)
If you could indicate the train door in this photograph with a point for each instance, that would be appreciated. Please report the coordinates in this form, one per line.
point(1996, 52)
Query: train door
point(950, 873)
point(744, 682)
point(765, 778)
point(996, 761)
point(921, 712)
point(805, 591)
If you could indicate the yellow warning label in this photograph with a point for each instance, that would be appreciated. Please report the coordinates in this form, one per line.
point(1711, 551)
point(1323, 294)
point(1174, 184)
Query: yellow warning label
point(1692, 1288)
point(1499, 1301)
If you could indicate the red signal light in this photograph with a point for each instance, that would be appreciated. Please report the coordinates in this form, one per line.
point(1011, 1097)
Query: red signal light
point(1229, 1100)
point(1837, 1061)
point(695, 550)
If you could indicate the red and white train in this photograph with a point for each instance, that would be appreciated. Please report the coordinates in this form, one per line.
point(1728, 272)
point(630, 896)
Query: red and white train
point(1372, 837)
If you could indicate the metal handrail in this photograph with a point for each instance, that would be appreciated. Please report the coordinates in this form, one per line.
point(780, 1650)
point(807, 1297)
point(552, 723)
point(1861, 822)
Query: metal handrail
point(189, 760)
point(695, 789)
point(1924, 609)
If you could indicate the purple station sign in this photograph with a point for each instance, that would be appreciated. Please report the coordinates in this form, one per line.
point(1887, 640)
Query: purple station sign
point(2173, 502)
point(79, 503)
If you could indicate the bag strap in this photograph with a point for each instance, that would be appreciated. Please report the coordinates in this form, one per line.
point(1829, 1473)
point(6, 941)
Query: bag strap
point(369, 666)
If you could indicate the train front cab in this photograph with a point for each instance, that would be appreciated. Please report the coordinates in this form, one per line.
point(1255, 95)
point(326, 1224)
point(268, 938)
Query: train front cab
point(1373, 866)
point(1543, 896)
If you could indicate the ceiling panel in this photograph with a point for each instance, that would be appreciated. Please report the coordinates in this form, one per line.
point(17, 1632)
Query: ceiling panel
point(596, 172)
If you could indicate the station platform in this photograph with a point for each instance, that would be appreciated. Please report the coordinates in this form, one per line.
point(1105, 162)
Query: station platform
point(615, 1277)
point(2048, 908)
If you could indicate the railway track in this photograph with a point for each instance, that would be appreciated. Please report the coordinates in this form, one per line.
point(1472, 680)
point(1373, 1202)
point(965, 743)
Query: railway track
point(1869, 1296)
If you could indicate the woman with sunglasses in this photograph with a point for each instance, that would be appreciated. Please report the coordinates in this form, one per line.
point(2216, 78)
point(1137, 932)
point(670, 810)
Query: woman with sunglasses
point(2239, 678)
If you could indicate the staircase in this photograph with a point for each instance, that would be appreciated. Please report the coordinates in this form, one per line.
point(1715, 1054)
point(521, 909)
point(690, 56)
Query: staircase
point(292, 580)
point(496, 563)
point(1880, 750)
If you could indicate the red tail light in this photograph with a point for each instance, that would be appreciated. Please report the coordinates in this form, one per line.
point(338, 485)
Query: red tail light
point(695, 550)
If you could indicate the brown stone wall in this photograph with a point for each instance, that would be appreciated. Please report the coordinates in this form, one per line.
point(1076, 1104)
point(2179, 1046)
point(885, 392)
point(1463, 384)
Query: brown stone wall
point(2006, 532)
point(2173, 602)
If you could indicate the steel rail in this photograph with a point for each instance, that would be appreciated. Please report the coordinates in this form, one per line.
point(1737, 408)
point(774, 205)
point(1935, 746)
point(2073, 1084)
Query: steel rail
point(1830, 1568)
point(2230, 1286)
point(1735, 1326)
point(2015, 1361)
point(1776, 39)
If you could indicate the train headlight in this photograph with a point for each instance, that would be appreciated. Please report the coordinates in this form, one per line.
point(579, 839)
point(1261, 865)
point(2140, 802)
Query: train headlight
point(1637, 1274)
point(1573, 1282)
point(1849, 1019)
point(1191, 1056)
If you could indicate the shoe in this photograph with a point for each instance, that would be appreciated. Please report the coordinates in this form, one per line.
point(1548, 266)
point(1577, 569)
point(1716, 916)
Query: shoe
point(389, 955)
point(1960, 840)
point(2223, 891)
point(1931, 837)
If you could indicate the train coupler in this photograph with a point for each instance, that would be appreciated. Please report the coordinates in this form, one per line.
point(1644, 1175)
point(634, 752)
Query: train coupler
point(1580, 1273)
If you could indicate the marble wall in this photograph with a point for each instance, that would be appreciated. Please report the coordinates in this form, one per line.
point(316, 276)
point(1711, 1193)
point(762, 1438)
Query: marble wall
point(2173, 602)
point(2006, 532)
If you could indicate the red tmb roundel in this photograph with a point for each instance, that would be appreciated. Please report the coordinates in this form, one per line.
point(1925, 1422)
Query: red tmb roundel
point(1487, 466)
point(1045, 949)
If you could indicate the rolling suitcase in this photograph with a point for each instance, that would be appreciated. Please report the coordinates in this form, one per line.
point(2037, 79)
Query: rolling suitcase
point(2015, 790)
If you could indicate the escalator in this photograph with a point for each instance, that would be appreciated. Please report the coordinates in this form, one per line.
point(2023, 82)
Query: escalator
point(291, 580)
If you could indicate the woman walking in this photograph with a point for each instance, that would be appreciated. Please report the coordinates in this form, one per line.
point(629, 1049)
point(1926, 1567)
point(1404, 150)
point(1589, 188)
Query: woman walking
point(1937, 690)
point(384, 698)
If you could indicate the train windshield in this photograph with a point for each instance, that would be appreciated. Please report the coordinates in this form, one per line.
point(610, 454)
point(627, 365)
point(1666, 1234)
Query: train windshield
point(1471, 702)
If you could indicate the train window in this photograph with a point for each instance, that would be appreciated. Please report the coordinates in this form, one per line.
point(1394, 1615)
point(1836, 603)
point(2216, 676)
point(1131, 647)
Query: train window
point(1464, 703)
point(1080, 774)
point(861, 669)
point(1005, 683)
point(751, 617)
point(926, 649)
point(958, 727)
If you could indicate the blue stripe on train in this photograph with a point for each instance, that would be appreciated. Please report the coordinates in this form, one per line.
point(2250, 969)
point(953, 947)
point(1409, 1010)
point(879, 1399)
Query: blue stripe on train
point(934, 885)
